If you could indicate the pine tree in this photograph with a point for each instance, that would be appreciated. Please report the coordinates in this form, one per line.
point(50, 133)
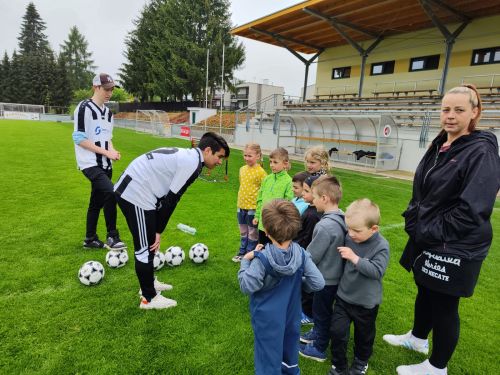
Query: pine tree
point(36, 60)
point(166, 52)
point(4, 76)
point(32, 40)
point(78, 60)
point(61, 88)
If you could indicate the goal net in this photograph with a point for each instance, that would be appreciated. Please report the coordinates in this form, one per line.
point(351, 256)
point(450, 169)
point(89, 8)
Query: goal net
point(19, 111)
point(151, 121)
point(217, 174)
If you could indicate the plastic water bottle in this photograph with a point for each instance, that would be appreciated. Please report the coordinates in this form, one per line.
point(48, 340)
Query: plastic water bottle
point(186, 228)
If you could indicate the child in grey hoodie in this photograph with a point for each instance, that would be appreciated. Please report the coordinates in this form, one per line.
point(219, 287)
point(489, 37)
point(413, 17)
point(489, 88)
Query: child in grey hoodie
point(273, 277)
point(328, 234)
point(360, 289)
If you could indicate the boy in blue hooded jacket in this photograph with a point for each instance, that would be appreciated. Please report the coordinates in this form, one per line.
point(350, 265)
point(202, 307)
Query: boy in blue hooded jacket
point(273, 276)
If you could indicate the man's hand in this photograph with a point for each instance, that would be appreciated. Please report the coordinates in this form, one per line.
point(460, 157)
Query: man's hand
point(113, 155)
point(156, 245)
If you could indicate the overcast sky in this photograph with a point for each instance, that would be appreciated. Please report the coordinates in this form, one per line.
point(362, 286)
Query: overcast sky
point(105, 24)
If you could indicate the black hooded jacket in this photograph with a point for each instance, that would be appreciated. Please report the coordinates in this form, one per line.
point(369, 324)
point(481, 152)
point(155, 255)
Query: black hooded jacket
point(453, 197)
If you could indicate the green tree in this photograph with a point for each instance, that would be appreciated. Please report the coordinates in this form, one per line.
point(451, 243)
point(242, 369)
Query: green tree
point(4, 76)
point(61, 88)
point(32, 40)
point(78, 60)
point(36, 60)
point(166, 52)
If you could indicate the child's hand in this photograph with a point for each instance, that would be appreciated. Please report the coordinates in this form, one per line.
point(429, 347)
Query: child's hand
point(255, 221)
point(347, 253)
point(249, 256)
point(259, 247)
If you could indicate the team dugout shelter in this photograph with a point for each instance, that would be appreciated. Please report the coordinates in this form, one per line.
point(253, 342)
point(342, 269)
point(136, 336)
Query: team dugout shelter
point(368, 52)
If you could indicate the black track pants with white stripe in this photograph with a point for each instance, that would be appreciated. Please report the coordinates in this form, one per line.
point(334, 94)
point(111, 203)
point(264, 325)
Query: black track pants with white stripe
point(142, 226)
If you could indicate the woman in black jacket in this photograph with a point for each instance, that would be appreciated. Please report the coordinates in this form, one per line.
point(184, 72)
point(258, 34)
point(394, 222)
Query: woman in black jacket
point(448, 223)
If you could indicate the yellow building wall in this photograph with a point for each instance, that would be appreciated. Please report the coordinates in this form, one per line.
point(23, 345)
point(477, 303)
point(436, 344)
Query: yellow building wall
point(480, 33)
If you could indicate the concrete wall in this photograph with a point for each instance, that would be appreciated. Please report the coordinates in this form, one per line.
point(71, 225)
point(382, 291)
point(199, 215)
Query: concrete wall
point(480, 33)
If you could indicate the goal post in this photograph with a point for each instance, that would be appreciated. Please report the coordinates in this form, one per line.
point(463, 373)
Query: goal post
point(20, 111)
point(151, 121)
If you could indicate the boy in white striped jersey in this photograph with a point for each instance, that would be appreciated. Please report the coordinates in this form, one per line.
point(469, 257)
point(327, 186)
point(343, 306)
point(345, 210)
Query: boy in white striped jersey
point(94, 155)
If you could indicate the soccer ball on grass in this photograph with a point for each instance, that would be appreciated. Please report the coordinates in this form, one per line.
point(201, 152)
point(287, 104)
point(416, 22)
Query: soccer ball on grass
point(91, 273)
point(198, 253)
point(159, 261)
point(116, 259)
point(174, 256)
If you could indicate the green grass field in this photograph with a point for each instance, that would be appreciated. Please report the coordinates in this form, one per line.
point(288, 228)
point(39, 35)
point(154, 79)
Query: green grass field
point(52, 324)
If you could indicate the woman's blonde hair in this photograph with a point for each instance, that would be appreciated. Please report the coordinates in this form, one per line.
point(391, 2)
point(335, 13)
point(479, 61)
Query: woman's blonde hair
point(318, 153)
point(474, 99)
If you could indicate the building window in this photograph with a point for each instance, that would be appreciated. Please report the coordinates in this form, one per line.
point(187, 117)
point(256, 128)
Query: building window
point(424, 63)
point(486, 56)
point(386, 67)
point(344, 72)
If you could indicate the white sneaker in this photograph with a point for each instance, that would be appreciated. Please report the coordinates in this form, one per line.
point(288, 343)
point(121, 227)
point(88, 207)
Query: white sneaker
point(424, 368)
point(408, 341)
point(159, 286)
point(158, 302)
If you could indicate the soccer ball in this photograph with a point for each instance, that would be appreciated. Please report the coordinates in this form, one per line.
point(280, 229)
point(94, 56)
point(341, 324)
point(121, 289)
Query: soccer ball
point(91, 273)
point(174, 256)
point(159, 261)
point(198, 253)
point(116, 259)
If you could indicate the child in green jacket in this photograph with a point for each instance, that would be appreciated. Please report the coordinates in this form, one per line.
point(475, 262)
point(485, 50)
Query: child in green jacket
point(278, 184)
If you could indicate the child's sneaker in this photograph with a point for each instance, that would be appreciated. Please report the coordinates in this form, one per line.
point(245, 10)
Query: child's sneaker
point(358, 367)
point(93, 243)
point(237, 258)
point(408, 341)
point(305, 320)
point(308, 337)
point(159, 286)
point(310, 351)
point(158, 302)
point(335, 371)
point(114, 243)
point(424, 368)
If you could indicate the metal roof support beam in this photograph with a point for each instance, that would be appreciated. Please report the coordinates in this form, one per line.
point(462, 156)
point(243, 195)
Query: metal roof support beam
point(363, 52)
point(281, 40)
point(449, 36)
point(284, 39)
point(350, 25)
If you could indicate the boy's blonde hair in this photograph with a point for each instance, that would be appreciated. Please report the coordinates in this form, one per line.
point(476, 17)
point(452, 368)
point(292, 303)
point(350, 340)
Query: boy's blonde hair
point(280, 153)
point(281, 220)
point(329, 186)
point(366, 209)
point(319, 153)
point(254, 147)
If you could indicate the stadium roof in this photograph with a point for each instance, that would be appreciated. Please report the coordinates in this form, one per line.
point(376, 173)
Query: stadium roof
point(314, 25)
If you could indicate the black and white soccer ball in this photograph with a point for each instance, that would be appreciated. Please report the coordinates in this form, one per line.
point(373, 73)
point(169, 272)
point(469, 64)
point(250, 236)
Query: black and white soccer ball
point(174, 256)
point(91, 273)
point(116, 258)
point(159, 260)
point(198, 253)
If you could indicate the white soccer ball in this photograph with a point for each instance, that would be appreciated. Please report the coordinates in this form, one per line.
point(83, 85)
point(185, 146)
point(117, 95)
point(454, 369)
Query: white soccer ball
point(198, 253)
point(174, 256)
point(91, 273)
point(116, 259)
point(159, 261)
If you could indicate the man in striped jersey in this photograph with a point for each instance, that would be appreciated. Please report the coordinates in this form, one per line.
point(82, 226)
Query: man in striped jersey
point(94, 155)
point(148, 192)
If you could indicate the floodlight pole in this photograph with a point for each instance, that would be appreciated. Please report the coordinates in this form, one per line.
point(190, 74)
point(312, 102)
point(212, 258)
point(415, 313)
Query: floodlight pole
point(222, 94)
point(206, 81)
